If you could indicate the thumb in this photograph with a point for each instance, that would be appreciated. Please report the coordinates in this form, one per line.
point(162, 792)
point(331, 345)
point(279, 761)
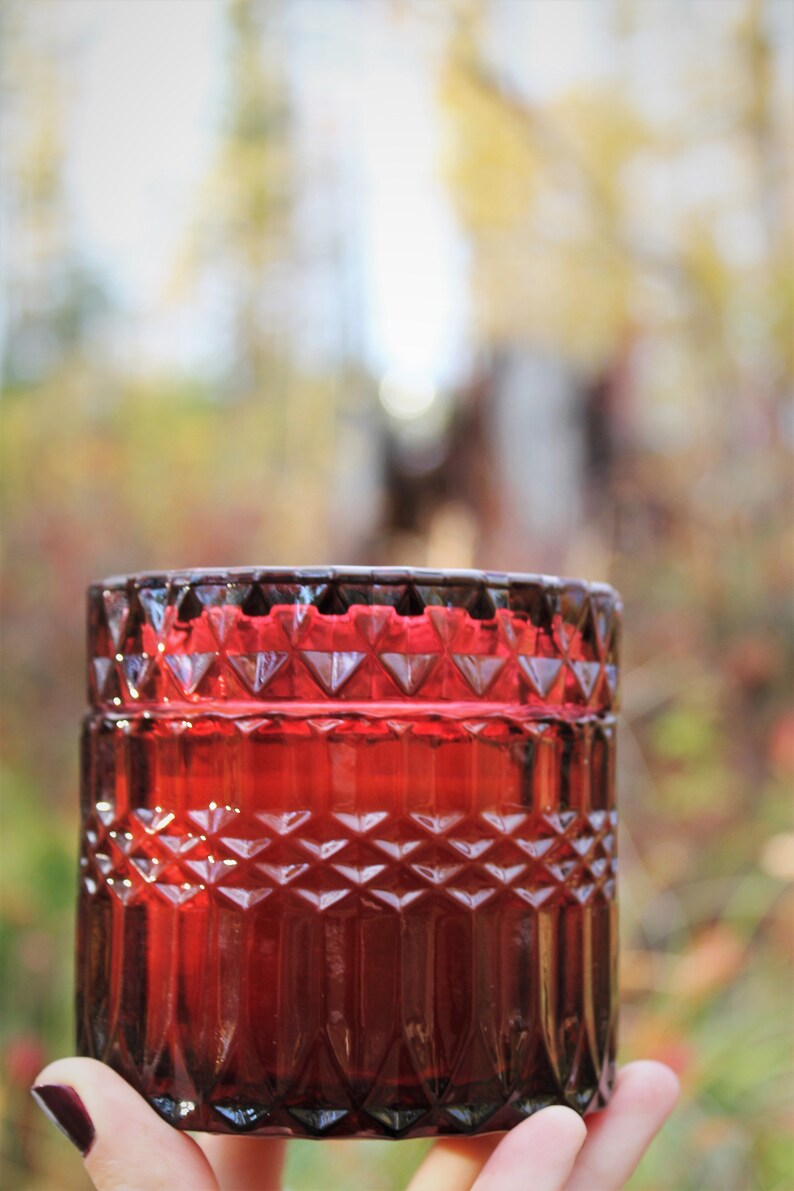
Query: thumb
point(125, 1144)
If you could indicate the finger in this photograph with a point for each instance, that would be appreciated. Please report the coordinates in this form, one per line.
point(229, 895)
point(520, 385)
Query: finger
point(125, 1144)
point(539, 1153)
point(245, 1163)
point(453, 1164)
point(645, 1094)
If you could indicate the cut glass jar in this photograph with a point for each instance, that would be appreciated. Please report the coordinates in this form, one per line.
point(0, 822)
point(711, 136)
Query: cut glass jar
point(349, 848)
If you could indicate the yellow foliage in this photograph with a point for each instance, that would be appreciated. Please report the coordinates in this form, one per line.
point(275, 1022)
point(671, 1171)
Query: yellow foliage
point(599, 131)
point(574, 295)
point(490, 162)
point(539, 194)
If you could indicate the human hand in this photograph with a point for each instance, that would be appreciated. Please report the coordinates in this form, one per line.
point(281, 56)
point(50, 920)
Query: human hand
point(128, 1147)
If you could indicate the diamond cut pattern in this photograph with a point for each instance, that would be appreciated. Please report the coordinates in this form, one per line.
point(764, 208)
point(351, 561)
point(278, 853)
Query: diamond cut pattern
point(576, 861)
point(353, 635)
point(544, 857)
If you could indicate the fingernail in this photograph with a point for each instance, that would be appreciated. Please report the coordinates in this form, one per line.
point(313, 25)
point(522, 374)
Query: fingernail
point(66, 1110)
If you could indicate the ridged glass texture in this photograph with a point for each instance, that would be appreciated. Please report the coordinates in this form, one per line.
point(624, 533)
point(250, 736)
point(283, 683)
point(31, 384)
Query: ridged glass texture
point(348, 863)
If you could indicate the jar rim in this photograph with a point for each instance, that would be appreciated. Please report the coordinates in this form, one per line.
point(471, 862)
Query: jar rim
point(317, 580)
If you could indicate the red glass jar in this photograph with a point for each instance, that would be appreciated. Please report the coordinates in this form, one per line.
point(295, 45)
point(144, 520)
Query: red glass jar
point(348, 862)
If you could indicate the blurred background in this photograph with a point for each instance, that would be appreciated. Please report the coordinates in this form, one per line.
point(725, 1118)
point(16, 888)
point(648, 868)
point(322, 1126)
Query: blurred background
point(493, 283)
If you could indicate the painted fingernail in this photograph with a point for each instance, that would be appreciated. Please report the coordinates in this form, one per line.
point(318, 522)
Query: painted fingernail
point(66, 1110)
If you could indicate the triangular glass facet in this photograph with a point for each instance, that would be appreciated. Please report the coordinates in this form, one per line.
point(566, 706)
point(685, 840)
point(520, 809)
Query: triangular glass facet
point(471, 1116)
point(241, 1116)
point(116, 611)
point(319, 1120)
point(138, 672)
point(397, 1120)
point(587, 675)
point(101, 668)
point(155, 602)
point(257, 669)
point(332, 668)
point(541, 673)
point(177, 895)
point(244, 898)
point(189, 669)
point(573, 605)
point(527, 1105)
point(603, 610)
point(479, 670)
point(409, 670)
point(188, 605)
point(370, 622)
point(480, 606)
point(407, 601)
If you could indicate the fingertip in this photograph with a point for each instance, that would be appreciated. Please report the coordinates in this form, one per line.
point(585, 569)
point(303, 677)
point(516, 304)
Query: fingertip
point(124, 1142)
point(651, 1083)
point(644, 1095)
point(557, 1124)
point(546, 1144)
point(60, 1091)
point(63, 1106)
point(64, 1071)
point(566, 1124)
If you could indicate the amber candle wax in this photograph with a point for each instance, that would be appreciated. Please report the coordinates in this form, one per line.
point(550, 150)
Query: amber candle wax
point(348, 863)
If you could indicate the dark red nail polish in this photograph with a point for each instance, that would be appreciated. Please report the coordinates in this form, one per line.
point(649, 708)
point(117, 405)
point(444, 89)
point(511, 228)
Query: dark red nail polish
point(66, 1110)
